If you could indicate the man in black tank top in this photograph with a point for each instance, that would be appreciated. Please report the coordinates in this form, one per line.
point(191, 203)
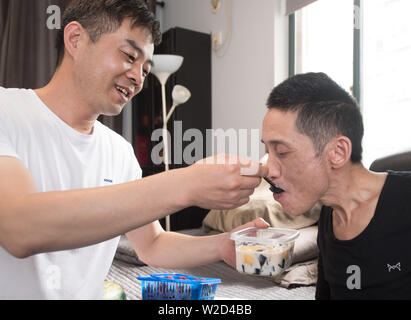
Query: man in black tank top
point(313, 133)
point(376, 264)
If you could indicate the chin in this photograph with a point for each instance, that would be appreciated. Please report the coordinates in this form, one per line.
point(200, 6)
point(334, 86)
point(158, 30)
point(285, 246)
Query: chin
point(294, 211)
point(113, 111)
point(310, 210)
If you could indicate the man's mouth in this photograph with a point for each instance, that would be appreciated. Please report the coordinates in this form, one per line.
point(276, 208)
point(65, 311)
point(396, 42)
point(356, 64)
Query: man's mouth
point(124, 92)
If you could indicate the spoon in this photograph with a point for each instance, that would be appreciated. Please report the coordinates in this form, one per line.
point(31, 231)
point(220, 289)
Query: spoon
point(273, 188)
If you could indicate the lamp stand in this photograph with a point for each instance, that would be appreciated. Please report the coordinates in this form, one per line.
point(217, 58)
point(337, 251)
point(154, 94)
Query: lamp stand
point(163, 67)
point(165, 141)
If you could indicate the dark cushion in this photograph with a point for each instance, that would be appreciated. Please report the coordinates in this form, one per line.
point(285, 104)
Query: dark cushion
point(396, 162)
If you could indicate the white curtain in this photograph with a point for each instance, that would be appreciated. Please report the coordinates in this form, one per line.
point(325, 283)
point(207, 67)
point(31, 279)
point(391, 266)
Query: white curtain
point(294, 5)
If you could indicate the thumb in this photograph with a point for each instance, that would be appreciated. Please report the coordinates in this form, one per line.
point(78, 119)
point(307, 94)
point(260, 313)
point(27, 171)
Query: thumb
point(257, 223)
point(260, 223)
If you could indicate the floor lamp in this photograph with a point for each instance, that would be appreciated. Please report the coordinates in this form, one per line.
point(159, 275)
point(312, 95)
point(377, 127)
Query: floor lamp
point(165, 65)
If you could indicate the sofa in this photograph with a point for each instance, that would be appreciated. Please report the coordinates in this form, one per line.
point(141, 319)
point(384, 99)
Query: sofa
point(396, 162)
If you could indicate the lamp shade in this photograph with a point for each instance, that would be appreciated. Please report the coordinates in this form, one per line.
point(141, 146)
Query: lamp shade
point(180, 94)
point(164, 65)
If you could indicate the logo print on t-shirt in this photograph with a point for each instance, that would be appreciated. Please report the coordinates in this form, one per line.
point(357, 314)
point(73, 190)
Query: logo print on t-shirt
point(108, 180)
point(396, 266)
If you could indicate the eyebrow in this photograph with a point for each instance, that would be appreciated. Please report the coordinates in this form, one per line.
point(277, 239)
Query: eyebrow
point(139, 50)
point(276, 142)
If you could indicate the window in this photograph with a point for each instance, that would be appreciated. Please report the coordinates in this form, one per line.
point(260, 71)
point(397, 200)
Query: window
point(386, 70)
point(324, 42)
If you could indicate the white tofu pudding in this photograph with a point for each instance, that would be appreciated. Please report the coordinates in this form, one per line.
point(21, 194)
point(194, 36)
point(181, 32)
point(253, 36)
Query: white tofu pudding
point(264, 252)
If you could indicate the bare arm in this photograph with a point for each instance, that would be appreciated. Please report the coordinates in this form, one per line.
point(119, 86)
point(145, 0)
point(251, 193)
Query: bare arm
point(158, 248)
point(33, 222)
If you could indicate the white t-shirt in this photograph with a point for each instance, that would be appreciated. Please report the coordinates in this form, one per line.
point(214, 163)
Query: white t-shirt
point(60, 158)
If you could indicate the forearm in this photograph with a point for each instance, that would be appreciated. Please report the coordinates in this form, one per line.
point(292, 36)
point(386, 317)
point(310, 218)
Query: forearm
point(176, 250)
point(32, 222)
point(49, 221)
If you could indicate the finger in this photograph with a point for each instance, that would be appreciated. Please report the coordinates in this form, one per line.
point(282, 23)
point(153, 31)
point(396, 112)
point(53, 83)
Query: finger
point(260, 223)
point(247, 182)
point(263, 172)
point(244, 200)
point(242, 194)
point(238, 201)
point(257, 223)
point(248, 168)
point(254, 169)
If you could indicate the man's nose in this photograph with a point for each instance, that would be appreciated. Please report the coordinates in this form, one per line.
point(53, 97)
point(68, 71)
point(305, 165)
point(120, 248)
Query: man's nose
point(136, 75)
point(274, 168)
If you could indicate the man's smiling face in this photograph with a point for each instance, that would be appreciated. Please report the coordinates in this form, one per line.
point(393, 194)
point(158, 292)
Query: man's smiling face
point(111, 71)
point(293, 163)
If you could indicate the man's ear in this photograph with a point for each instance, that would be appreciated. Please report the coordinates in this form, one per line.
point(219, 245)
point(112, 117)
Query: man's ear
point(339, 151)
point(73, 36)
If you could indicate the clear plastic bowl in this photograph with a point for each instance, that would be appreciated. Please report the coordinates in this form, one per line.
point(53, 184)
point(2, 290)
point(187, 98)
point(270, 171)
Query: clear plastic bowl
point(264, 252)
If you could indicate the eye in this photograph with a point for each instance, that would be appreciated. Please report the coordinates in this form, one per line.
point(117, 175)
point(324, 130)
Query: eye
point(130, 57)
point(281, 154)
point(146, 72)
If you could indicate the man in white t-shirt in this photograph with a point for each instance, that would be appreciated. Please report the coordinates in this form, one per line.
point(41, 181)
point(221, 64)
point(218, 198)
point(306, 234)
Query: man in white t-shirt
point(70, 186)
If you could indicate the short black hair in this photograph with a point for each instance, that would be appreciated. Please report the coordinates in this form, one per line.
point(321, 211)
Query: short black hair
point(325, 110)
point(99, 17)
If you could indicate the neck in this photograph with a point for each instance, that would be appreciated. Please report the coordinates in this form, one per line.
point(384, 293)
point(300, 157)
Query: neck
point(353, 190)
point(61, 97)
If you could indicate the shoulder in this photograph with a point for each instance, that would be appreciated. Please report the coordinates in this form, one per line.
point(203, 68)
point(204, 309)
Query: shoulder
point(15, 101)
point(399, 180)
point(400, 175)
point(9, 94)
point(397, 189)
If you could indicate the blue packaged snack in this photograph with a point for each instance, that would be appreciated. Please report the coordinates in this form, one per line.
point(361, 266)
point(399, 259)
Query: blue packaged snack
point(175, 286)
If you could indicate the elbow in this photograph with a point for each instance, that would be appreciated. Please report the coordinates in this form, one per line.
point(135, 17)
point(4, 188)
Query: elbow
point(148, 249)
point(17, 251)
point(22, 254)
point(14, 239)
point(16, 245)
point(145, 259)
point(150, 257)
